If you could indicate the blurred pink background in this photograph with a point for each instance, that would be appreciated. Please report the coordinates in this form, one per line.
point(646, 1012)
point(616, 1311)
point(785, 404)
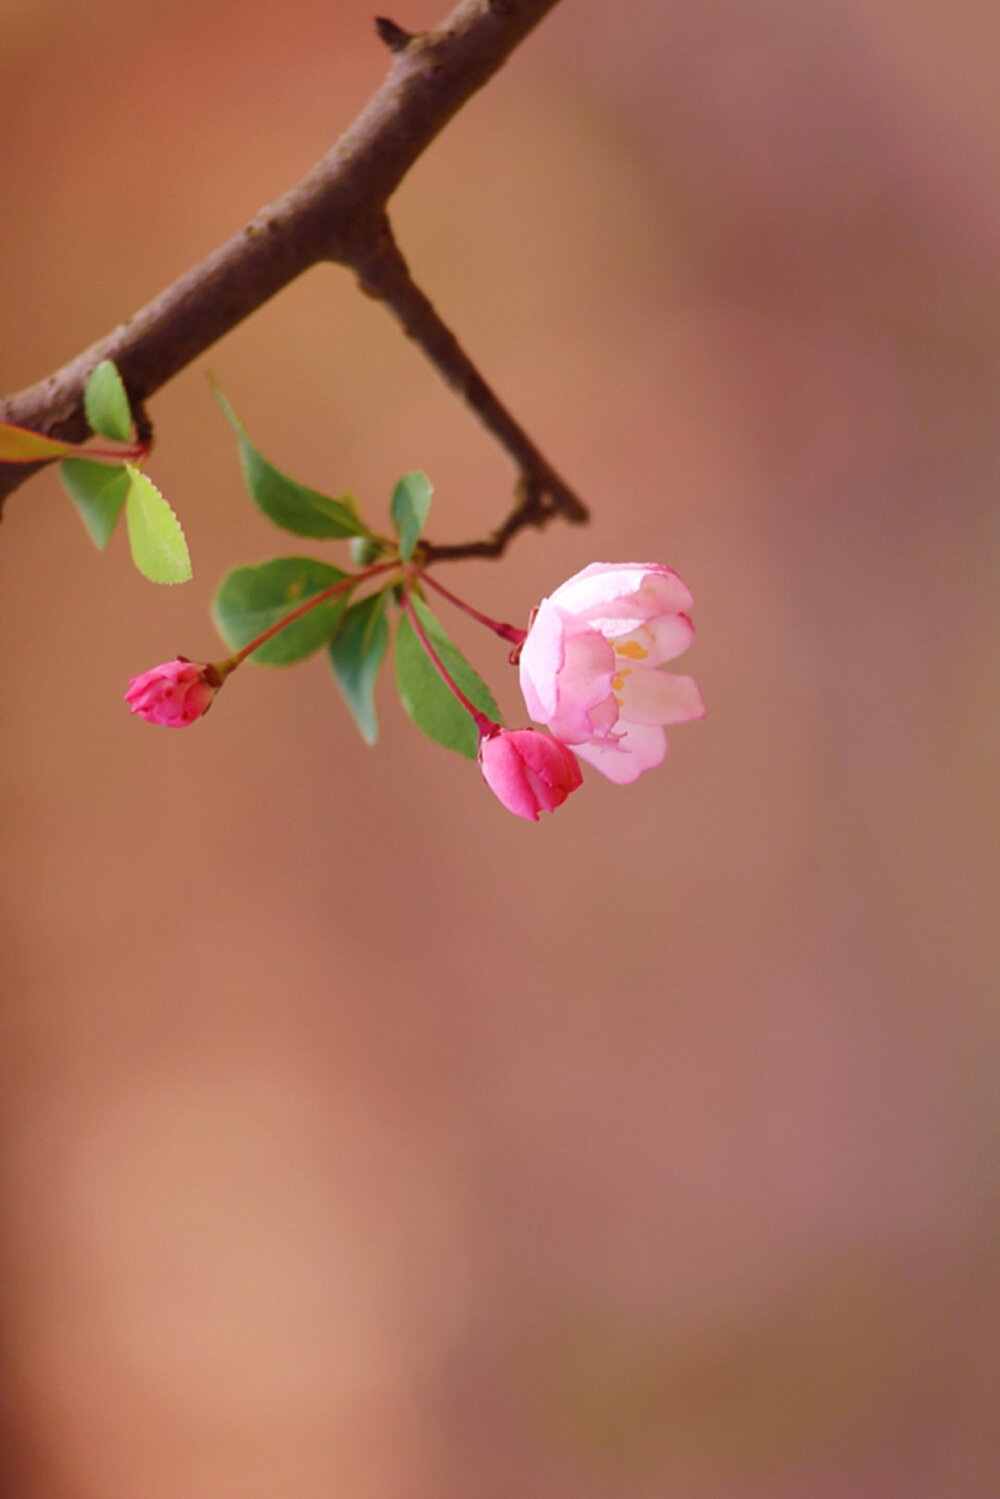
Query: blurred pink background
point(358, 1138)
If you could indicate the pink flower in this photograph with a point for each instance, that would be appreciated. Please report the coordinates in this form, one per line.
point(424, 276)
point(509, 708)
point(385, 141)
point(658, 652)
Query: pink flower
point(174, 694)
point(589, 665)
point(528, 771)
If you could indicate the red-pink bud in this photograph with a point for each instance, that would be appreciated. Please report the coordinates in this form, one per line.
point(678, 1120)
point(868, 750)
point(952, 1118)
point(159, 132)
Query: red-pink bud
point(174, 694)
point(529, 771)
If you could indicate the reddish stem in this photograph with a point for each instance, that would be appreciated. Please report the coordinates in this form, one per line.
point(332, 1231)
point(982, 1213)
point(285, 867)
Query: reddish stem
point(136, 452)
point(483, 724)
point(506, 632)
point(225, 667)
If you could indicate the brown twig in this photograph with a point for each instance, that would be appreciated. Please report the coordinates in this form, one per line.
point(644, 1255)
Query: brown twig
point(383, 273)
point(336, 213)
point(533, 506)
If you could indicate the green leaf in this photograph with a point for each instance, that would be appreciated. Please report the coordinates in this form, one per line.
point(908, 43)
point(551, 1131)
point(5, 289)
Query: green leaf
point(21, 445)
point(356, 654)
point(411, 500)
point(301, 510)
point(427, 700)
point(159, 550)
point(98, 492)
point(106, 404)
point(252, 599)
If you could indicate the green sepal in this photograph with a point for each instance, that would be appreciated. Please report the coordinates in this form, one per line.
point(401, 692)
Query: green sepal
point(251, 599)
point(365, 550)
point(411, 500)
point(98, 492)
point(159, 550)
point(106, 404)
point(356, 655)
point(295, 507)
point(431, 705)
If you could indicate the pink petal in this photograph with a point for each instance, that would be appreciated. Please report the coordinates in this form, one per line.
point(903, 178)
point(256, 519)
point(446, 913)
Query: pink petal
point(606, 590)
point(583, 686)
point(530, 772)
point(623, 760)
point(503, 771)
point(656, 641)
point(666, 593)
point(603, 718)
point(648, 697)
point(550, 769)
point(565, 670)
point(541, 660)
point(173, 695)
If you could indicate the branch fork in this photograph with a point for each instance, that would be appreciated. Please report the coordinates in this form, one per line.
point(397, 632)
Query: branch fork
point(336, 213)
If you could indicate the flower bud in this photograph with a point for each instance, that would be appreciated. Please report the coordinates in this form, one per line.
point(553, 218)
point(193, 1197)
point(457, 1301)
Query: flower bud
point(174, 694)
point(528, 771)
point(365, 550)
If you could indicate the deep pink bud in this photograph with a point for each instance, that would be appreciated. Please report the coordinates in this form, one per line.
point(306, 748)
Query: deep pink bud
point(174, 694)
point(529, 771)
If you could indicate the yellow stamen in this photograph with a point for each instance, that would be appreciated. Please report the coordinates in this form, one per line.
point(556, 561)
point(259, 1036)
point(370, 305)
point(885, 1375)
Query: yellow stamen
point(633, 650)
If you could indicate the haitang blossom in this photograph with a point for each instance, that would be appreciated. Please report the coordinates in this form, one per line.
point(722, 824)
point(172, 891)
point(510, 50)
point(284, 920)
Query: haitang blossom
point(529, 771)
point(591, 672)
point(590, 665)
point(174, 694)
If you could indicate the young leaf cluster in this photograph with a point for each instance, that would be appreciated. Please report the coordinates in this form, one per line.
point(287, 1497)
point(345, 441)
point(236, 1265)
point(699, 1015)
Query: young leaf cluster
point(356, 633)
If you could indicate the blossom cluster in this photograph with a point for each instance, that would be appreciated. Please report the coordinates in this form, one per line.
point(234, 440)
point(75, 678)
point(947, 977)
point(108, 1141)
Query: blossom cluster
point(591, 672)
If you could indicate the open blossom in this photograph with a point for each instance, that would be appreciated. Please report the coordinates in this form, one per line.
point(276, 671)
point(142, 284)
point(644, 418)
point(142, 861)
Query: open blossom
point(590, 665)
point(174, 694)
point(529, 771)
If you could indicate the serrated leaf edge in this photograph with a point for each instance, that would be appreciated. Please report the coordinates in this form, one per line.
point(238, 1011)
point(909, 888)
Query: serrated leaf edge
point(133, 474)
point(89, 400)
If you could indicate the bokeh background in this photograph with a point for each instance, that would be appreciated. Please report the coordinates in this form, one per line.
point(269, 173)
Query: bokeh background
point(359, 1138)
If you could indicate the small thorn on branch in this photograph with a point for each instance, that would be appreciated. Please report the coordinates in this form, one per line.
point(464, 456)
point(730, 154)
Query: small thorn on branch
point(394, 37)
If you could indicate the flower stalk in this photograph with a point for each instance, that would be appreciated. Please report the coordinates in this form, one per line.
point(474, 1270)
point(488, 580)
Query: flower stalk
point(506, 632)
point(483, 722)
point(527, 771)
point(231, 662)
point(181, 691)
point(133, 452)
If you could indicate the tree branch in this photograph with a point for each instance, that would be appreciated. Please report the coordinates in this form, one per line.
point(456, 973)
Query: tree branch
point(383, 273)
point(336, 213)
point(533, 506)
